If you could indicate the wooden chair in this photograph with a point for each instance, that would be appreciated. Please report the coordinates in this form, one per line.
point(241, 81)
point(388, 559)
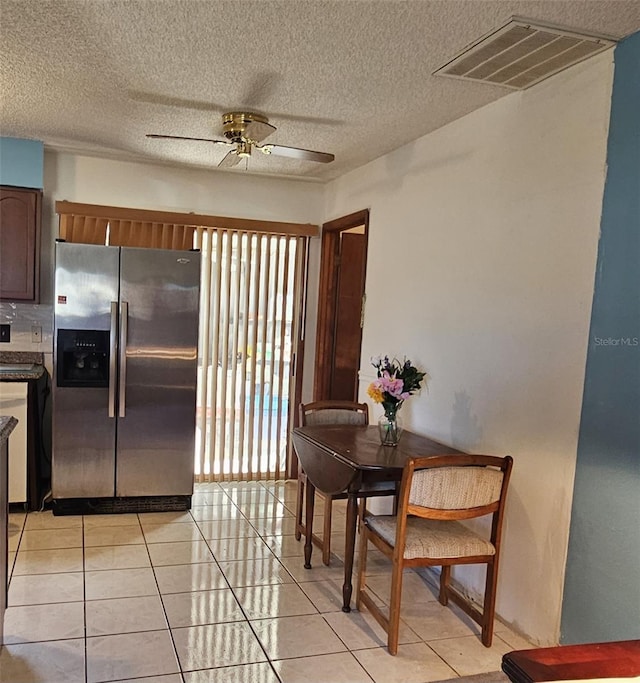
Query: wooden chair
point(437, 491)
point(331, 413)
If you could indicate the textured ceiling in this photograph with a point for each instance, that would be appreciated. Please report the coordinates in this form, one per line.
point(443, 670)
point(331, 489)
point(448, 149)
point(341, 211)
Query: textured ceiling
point(350, 77)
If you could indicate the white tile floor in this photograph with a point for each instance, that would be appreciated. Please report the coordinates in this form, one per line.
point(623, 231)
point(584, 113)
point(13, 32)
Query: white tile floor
point(215, 595)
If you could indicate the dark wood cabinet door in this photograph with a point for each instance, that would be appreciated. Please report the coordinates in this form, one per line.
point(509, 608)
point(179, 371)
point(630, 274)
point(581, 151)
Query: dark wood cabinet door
point(20, 211)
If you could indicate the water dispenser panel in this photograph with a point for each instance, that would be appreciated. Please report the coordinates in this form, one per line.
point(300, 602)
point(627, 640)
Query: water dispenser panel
point(83, 358)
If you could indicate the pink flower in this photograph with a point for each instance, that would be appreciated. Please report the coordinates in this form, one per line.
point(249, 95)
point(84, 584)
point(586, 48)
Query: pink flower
point(394, 387)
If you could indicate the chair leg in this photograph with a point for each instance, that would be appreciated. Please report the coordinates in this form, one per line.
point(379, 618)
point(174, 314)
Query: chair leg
point(394, 608)
point(299, 506)
point(362, 511)
point(326, 533)
point(488, 611)
point(362, 564)
point(445, 577)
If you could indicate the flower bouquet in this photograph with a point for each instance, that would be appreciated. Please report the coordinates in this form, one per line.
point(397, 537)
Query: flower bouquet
point(396, 382)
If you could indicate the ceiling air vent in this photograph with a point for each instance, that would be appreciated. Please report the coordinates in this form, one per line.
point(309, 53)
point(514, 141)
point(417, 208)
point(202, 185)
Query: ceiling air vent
point(522, 53)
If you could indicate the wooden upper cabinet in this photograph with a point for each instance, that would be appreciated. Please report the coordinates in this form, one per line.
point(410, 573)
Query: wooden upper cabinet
point(20, 212)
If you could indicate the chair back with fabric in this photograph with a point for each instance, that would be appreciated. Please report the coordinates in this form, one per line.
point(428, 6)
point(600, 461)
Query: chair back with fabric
point(334, 413)
point(470, 487)
point(437, 494)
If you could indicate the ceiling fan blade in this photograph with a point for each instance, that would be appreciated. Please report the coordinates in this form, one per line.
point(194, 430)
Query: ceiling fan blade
point(182, 137)
point(258, 130)
point(296, 153)
point(230, 159)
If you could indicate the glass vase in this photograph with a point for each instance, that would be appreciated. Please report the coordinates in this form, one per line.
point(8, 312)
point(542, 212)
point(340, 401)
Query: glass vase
point(390, 428)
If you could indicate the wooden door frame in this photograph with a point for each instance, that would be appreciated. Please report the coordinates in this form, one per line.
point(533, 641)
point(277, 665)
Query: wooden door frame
point(330, 249)
point(298, 359)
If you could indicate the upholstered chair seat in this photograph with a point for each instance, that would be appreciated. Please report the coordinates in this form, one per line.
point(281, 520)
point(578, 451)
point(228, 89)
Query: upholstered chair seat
point(432, 538)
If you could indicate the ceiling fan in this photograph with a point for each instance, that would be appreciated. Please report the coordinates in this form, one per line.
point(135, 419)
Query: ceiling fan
point(245, 131)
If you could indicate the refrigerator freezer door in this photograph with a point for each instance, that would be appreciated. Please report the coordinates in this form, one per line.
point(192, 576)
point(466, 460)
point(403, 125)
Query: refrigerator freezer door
point(83, 466)
point(156, 434)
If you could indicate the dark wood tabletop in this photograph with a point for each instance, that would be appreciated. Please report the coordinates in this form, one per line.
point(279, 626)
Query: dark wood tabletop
point(360, 446)
point(574, 662)
point(338, 458)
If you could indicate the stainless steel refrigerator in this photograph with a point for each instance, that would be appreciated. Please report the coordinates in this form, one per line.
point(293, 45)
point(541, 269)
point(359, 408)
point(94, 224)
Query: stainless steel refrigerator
point(124, 388)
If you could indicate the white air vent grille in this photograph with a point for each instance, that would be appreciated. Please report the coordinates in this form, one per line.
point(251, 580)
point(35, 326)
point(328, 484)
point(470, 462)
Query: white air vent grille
point(522, 53)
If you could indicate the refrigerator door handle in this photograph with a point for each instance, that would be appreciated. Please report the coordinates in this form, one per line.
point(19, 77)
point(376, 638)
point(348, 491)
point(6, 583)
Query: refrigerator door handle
point(124, 319)
point(113, 339)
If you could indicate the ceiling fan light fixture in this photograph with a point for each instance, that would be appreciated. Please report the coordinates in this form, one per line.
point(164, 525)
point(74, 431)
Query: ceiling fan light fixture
point(243, 149)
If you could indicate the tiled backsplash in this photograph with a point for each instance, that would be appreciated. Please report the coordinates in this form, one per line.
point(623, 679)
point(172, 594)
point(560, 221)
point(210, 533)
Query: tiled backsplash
point(22, 318)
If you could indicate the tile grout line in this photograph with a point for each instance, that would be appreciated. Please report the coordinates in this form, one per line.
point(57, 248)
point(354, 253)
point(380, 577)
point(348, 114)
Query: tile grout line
point(348, 650)
point(235, 597)
point(84, 606)
point(297, 583)
point(164, 609)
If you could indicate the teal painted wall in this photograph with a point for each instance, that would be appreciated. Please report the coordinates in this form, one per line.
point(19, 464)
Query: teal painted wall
point(21, 162)
point(602, 584)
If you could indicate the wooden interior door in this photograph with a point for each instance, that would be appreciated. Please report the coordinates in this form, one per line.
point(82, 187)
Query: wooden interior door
point(340, 307)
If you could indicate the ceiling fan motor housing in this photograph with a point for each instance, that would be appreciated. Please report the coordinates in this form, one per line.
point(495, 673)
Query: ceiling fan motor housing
point(237, 126)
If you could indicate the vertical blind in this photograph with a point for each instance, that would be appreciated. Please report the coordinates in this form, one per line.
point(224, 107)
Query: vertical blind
point(250, 295)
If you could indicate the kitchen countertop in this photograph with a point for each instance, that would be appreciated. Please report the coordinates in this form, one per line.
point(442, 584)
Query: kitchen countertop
point(6, 427)
point(21, 365)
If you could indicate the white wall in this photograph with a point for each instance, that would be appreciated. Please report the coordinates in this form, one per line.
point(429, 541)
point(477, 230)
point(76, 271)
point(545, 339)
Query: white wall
point(93, 180)
point(482, 248)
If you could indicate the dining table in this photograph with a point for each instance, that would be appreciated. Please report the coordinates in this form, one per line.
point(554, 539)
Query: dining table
point(351, 459)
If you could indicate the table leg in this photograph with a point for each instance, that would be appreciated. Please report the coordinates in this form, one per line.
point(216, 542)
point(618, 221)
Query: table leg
point(308, 522)
point(349, 548)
